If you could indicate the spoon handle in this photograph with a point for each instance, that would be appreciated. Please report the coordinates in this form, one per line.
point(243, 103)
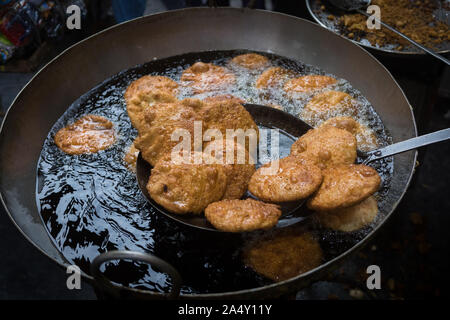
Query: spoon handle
point(431, 52)
point(407, 145)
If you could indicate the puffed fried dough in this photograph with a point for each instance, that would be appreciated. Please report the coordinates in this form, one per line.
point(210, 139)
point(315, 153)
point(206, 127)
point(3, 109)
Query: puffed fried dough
point(239, 165)
point(223, 98)
point(146, 99)
point(365, 137)
point(273, 77)
point(295, 179)
point(242, 215)
point(130, 157)
point(344, 186)
point(308, 83)
point(352, 218)
point(151, 83)
point(250, 61)
point(89, 134)
point(284, 255)
point(186, 188)
point(155, 140)
point(228, 115)
point(207, 77)
point(327, 105)
point(326, 146)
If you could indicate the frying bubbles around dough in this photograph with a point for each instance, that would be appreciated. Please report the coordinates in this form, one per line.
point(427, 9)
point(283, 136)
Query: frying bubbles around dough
point(150, 84)
point(207, 77)
point(307, 83)
point(250, 61)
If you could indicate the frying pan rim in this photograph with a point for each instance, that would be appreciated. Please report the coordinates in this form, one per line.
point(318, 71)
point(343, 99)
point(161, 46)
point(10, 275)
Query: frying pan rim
point(229, 294)
point(387, 51)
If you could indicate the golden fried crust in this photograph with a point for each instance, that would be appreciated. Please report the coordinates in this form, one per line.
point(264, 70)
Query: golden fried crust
point(308, 83)
point(155, 140)
point(228, 115)
point(186, 188)
point(242, 215)
point(295, 179)
point(250, 61)
point(149, 84)
point(223, 98)
point(273, 77)
point(207, 77)
point(365, 137)
point(327, 105)
point(89, 134)
point(284, 255)
point(239, 165)
point(131, 157)
point(352, 218)
point(344, 186)
point(143, 100)
point(326, 146)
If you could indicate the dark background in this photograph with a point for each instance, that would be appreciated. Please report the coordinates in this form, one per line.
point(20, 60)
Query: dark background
point(412, 249)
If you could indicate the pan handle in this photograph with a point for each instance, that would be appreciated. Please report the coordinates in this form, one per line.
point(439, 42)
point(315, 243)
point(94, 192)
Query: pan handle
point(102, 281)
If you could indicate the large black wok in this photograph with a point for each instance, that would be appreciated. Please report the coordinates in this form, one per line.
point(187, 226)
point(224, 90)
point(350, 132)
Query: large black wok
point(93, 60)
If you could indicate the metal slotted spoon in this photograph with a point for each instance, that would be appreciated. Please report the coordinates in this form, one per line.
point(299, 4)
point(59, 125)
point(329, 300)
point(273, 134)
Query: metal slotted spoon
point(293, 128)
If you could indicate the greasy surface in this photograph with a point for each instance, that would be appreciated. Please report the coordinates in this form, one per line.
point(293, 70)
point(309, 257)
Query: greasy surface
point(131, 157)
point(88, 134)
point(154, 141)
point(250, 60)
point(223, 98)
point(273, 77)
point(239, 166)
point(290, 179)
point(326, 105)
point(326, 146)
point(344, 186)
point(242, 215)
point(186, 187)
point(308, 83)
point(150, 83)
point(351, 218)
point(365, 137)
point(206, 77)
point(281, 256)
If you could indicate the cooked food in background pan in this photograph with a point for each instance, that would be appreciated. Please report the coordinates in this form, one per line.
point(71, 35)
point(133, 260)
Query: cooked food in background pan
point(250, 61)
point(307, 84)
point(207, 77)
point(350, 218)
point(242, 215)
point(286, 179)
point(343, 186)
point(89, 134)
point(327, 105)
point(187, 187)
point(283, 255)
point(326, 146)
point(239, 166)
point(273, 77)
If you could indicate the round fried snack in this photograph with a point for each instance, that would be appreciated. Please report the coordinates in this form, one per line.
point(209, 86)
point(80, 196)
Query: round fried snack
point(229, 115)
point(291, 179)
point(223, 98)
point(242, 215)
point(154, 141)
point(352, 218)
point(344, 186)
point(308, 83)
point(326, 146)
point(240, 166)
point(89, 134)
point(143, 100)
point(130, 157)
point(327, 105)
point(151, 84)
point(207, 77)
point(283, 255)
point(250, 61)
point(365, 137)
point(273, 77)
point(186, 187)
